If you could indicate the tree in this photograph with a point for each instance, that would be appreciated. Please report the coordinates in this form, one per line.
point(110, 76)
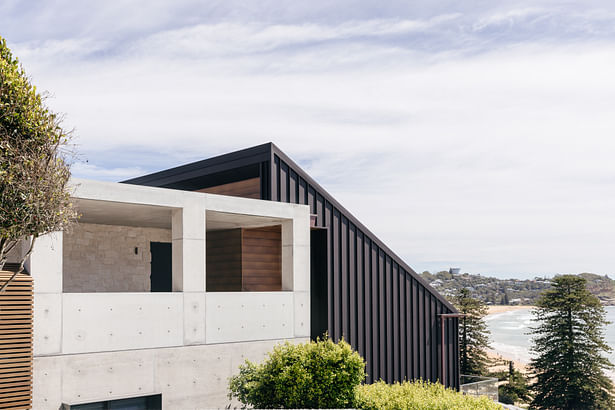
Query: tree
point(569, 345)
point(473, 333)
point(34, 172)
point(516, 389)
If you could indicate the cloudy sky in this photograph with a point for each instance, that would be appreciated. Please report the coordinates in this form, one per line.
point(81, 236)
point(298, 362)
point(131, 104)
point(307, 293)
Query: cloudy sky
point(472, 134)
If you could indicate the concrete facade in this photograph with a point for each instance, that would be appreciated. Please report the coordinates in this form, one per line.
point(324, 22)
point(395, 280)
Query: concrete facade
point(109, 344)
point(190, 377)
point(102, 258)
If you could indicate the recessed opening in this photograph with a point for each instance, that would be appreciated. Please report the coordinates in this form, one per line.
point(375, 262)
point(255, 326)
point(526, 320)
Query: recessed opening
point(243, 253)
point(111, 248)
point(244, 259)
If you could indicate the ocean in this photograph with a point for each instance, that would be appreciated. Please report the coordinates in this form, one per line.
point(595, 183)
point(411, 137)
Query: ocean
point(510, 338)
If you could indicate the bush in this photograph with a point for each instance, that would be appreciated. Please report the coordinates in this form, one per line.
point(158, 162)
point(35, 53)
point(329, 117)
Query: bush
point(34, 169)
point(319, 374)
point(417, 395)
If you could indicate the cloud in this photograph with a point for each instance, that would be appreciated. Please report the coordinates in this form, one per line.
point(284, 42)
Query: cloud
point(85, 170)
point(478, 138)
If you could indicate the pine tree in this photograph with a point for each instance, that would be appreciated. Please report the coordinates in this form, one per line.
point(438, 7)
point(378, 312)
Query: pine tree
point(516, 389)
point(473, 334)
point(569, 345)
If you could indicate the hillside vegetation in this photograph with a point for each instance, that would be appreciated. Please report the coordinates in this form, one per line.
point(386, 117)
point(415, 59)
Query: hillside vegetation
point(494, 291)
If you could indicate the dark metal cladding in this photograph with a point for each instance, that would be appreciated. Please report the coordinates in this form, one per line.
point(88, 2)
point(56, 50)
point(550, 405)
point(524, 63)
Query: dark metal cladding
point(375, 301)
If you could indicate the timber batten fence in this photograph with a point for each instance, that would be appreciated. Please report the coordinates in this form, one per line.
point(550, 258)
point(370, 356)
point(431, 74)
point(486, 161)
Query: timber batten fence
point(16, 320)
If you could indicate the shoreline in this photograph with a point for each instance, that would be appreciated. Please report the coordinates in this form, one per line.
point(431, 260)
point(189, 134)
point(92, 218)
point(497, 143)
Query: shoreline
point(497, 355)
point(495, 309)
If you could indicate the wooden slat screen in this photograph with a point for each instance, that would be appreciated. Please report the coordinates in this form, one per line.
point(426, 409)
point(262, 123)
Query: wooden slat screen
point(16, 303)
point(261, 259)
point(244, 259)
point(248, 188)
point(223, 261)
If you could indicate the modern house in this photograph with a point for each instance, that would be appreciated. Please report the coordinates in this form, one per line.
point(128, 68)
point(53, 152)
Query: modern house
point(361, 290)
point(169, 281)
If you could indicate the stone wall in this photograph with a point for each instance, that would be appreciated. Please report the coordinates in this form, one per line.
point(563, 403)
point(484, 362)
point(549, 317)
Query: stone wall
point(102, 258)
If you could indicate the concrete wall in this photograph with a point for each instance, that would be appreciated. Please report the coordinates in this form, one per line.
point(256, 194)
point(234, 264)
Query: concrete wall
point(183, 344)
point(101, 258)
point(191, 377)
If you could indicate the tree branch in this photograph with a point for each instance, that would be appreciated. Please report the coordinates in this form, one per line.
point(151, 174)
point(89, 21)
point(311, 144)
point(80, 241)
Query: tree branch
point(18, 271)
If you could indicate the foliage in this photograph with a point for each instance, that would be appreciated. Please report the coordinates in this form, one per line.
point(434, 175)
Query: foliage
point(417, 395)
point(516, 389)
point(318, 374)
point(33, 169)
point(569, 345)
point(473, 334)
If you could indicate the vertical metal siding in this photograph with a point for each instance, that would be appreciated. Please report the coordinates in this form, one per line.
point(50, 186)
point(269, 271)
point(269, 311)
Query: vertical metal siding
point(390, 317)
point(376, 323)
point(352, 291)
point(369, 329)
point(396, 321)
point(360, 346)
point(388, 313)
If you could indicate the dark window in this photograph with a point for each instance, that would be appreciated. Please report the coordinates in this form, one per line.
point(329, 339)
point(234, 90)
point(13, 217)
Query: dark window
point(137, 403)
point(161, 277)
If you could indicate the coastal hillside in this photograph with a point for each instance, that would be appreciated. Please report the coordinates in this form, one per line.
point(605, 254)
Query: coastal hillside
point(494, 291)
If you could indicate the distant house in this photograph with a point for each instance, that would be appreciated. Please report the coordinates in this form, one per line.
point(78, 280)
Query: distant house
point(171, 280)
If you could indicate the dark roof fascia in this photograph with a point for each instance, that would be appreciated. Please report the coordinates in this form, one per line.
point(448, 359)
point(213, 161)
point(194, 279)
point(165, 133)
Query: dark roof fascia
point(276, 151)
point(224, 162)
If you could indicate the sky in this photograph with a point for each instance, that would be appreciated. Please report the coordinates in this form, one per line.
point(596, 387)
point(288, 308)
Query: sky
point(473, 134)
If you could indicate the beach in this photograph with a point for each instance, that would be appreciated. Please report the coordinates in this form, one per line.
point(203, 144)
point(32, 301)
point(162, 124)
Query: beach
point(502, 354)
point(510, 328)
point(493, 309)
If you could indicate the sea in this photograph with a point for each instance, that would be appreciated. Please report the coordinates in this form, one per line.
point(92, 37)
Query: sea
point(510, 334)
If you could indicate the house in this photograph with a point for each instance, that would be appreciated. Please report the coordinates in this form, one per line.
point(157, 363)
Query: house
point(362, 290)
point(169, 281)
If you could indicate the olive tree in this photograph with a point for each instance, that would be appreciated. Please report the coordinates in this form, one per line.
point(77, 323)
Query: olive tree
point(34, 170)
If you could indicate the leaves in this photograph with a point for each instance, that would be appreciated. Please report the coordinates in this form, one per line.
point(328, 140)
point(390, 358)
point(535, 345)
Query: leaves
point(34, 172)
point(473, 334)
point(319, 374)
point(569, 345)
point(419, 395)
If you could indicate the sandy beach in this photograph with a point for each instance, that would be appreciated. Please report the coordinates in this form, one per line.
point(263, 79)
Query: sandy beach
point(493, 309)
point(500, 362)
point(500, 357)
point(501, 354)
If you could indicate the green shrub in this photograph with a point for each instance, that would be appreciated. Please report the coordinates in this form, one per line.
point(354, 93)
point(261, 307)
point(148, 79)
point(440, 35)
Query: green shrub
point(319, 374)
point(415, 396)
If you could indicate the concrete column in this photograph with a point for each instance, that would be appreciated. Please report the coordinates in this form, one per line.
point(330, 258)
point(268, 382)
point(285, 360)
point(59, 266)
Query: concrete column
point(45, 266)
point(188, 249)
point(299, 249)
point(288, 271)
point(296, 254)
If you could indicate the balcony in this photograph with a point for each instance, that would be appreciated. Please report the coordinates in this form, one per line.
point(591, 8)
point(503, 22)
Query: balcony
point(479, 386)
